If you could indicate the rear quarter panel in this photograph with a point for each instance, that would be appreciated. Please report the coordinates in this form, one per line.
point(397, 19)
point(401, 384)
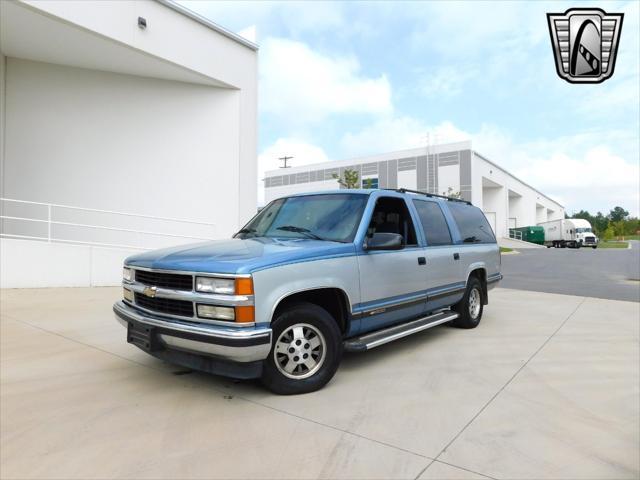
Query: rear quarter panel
point(485, 256)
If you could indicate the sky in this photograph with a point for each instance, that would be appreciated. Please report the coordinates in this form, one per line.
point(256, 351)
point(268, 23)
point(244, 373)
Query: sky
point(348, 79)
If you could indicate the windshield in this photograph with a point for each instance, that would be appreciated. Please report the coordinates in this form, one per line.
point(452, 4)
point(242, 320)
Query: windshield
point(583, 230)
point(322, 217)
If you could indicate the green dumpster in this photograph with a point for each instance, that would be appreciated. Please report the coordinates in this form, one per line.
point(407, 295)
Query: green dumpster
point(533, 234)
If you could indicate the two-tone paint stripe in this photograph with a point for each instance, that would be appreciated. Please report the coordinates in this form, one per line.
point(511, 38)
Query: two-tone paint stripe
point(391, 304)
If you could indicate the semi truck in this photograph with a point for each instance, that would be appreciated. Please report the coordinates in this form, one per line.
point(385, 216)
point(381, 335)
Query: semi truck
point(572, 233)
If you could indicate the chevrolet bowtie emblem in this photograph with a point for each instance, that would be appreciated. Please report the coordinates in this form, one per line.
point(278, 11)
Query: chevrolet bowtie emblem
point(150, 291)
point(585, 43)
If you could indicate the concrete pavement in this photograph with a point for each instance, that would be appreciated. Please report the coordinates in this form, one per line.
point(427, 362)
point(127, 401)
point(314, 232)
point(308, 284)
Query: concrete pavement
point(546, 387)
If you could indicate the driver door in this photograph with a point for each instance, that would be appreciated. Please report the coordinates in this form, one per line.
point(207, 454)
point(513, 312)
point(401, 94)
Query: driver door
point(392, 282)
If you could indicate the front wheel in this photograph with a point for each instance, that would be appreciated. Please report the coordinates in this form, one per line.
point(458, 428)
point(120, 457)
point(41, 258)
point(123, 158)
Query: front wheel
point(470, 308)
point(594, 247)
point(306, 350)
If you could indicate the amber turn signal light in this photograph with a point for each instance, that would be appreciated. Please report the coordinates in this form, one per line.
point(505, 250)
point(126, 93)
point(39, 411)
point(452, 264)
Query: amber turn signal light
point(244, 286)
point(245, 314)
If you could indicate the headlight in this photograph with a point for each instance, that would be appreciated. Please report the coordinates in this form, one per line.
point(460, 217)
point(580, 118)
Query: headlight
point(219, 313)
point(215, 285)
point(128, 274)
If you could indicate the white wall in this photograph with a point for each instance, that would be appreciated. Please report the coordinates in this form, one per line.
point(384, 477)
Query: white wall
point(119, 142)
point(284, 190)
point(2, 119)
point(29, 264)
point(521, 211)
point(408, 179)
point(448, 176)
point(493, 201)
point(525, 207)
point(103, 36)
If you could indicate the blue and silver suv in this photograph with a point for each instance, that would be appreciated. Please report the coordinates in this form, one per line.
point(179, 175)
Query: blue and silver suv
point(308, 277)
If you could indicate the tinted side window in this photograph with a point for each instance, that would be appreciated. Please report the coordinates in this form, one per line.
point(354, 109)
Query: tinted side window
point(472, 223)
point(391, 215)
point(434, 225)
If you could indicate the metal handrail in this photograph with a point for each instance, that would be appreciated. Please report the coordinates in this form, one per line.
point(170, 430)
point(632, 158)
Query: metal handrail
point(515, 234)
point(49, 221)
point(97, 210)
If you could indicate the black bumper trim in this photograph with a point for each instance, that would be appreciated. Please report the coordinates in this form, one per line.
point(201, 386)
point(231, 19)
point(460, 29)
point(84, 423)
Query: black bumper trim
point(215, 366)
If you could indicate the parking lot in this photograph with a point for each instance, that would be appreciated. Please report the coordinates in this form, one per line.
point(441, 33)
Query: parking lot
point(603, 273)
point(546, 387)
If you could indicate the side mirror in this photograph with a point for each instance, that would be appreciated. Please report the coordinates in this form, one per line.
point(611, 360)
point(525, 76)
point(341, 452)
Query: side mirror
point(384, 241)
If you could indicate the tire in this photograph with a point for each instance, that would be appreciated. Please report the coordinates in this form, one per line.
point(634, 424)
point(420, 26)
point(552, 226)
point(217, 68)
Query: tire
point(594, 247)
point(470, 308)
point(302, 329)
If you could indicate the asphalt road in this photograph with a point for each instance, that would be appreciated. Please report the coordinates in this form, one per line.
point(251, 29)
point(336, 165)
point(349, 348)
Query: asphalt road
point(602, 273)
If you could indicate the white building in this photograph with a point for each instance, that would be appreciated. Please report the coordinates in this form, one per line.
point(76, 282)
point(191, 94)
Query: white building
point(121, 123)
point(507, 201)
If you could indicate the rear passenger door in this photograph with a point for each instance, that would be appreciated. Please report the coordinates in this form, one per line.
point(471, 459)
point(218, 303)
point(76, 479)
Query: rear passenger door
point(478, 248)
point(443, 276)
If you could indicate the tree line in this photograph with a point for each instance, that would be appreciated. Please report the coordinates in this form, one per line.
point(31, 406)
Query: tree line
point(617, 223)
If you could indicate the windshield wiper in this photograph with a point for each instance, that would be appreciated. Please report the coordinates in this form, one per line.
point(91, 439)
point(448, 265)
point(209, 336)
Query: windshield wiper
point(304, 231)
point(245, 230)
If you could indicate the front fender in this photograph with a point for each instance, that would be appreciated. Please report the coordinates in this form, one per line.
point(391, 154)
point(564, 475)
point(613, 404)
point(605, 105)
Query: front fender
point(272, 285)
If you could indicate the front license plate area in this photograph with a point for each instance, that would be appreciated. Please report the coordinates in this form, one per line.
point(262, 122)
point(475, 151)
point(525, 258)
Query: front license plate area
point(142, 336)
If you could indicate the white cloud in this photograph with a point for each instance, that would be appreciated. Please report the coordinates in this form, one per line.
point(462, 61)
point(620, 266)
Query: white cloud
point(461, 29)
point(596, 180)
point(303, 153)
point(250, 33)
point(298, 17)
point(306, 86)
point(446, 81)
point(579, 171)
point(397, 133)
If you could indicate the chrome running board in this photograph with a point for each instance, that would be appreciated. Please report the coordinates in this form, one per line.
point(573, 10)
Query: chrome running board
point(380, 337)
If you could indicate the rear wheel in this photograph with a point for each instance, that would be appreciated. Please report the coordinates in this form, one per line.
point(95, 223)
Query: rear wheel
point(470, 308)
point(306, 350)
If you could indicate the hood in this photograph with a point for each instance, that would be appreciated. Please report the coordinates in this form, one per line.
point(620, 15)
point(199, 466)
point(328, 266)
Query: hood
point(239, 255)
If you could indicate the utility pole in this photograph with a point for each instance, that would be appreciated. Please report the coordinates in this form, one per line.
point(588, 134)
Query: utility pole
point(284, 159)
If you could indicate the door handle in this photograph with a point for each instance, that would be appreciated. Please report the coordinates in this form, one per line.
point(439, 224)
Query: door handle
point(456, 256)
point(422, 261)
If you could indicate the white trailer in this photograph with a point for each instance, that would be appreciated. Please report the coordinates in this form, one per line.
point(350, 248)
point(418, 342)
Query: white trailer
point(572, 233)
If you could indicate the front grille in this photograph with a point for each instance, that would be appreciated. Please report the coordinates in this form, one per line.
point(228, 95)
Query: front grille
point(590, 240)
point(174, 281)
point(169, 306)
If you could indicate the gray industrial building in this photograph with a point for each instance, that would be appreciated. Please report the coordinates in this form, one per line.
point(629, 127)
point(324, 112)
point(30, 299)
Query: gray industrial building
point(507, 201)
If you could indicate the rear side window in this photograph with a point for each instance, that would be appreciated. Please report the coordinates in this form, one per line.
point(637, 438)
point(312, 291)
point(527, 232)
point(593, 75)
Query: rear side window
point(472, 223)
point(434, 225)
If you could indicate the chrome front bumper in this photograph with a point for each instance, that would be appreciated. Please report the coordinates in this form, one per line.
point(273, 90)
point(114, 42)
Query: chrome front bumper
point(235, 345)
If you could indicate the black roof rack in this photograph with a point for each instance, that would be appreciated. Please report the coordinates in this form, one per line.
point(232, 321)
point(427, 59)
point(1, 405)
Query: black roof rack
point(406, 190)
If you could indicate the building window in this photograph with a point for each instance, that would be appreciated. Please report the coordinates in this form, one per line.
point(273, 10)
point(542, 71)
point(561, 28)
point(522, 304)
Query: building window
point(370, 182)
